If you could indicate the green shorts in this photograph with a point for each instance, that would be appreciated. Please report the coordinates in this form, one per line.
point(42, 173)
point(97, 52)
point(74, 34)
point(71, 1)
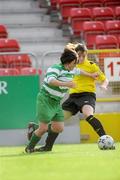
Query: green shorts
point(48, 109)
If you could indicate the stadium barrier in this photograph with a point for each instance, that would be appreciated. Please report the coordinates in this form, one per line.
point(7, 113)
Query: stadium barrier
point(23, 94)
point(18, 98)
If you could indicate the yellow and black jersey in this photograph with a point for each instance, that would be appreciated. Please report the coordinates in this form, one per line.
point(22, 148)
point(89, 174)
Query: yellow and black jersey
point(86, 83)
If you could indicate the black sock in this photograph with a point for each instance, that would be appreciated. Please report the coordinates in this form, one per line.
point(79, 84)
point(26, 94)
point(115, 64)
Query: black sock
point(51, 139)
point(96, 124)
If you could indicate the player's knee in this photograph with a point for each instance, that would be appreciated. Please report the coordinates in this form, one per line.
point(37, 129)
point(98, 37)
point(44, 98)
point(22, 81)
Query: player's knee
point(58, 129)
point(43, 128)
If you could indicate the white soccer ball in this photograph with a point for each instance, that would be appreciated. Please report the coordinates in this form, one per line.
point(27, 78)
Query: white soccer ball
point(106, 142)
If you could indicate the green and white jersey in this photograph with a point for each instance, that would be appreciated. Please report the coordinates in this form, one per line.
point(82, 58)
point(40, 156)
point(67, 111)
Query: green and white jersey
point(58, 72)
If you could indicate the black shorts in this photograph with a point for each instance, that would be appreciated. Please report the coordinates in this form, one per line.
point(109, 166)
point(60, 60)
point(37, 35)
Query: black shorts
point(76, 101)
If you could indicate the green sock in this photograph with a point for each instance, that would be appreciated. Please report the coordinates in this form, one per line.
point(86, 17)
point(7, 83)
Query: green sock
point(33, 141)
point(36, 126)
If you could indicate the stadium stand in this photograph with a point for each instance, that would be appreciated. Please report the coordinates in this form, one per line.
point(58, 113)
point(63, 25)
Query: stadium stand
point(117, 12)
point(64, 7)
point(9, 72)
point(111, 3)
point(106, 42)
point(90, 30)
point(8, 45)
point(31, 27)
point(3, 31)
point(3, 62)
point(18, 61)
point(119, 41)
point(103, 13)
point(91, 3)
point(30, 71)
point(77, 18)
point(113, 27)
point(53, 5)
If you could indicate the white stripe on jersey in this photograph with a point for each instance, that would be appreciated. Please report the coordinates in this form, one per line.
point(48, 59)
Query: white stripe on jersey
point(50, 69)
point(53, 92)
point(59, 73)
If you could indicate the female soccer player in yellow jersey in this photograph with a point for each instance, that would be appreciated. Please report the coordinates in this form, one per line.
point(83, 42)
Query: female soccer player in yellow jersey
point(83, 97)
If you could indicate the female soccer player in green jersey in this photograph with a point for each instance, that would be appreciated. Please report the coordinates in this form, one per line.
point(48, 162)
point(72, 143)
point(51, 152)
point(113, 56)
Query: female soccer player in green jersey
point(83, 96)
point(57, 81)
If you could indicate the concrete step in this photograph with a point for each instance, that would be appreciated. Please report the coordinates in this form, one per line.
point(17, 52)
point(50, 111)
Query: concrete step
point(36, 34)
point(18, 5)
point(42, 47)
point(24, 19)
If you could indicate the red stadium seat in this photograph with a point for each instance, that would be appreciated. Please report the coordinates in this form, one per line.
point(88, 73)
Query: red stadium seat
point(103, 13)
point(91, 3)
point(9, 72)
point(106, 42)
point(64, 7)
point(90, 30)
point(9, 45)
point(77, 18)
point(119, 41)
point(117, 12)
point(3, 31)
point(17, 61)
point(53, 4)
point(111, 2)
point(113, 27)
point(30, 71)
point(3, 62)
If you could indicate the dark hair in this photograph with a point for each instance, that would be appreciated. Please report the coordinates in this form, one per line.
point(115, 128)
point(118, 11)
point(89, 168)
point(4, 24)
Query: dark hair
point(68, 56)
point(80, 47)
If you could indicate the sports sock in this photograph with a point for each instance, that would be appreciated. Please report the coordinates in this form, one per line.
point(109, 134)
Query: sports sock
point(51, 139)
point(96, 124)
point(33, 141)
point(36, 126)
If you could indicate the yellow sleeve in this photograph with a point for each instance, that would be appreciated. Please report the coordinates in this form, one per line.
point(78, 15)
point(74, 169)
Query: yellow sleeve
point(101, 76)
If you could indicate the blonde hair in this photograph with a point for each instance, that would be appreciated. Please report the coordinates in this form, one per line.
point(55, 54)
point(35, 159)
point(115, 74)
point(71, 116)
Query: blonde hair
point(71, 47)
point(75, 46)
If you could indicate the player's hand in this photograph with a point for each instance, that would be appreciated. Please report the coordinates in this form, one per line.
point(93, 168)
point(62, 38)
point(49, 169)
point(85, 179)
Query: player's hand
point(95, 75)
point(103, 87)
point(70, 84)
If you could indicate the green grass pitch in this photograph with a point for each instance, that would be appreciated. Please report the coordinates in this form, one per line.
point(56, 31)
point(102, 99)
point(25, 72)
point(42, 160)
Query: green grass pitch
point(65, 162)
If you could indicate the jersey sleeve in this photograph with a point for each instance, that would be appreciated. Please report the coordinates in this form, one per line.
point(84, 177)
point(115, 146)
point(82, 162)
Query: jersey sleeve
point(52, 73)
point(101, 76)
point(76, 71)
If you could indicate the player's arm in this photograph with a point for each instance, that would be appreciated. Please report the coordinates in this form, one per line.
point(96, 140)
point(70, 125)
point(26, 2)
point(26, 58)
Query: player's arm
point(51, 79)
point(104, 84)
point(93, 75)
point(55, 82)
point(102, 78)
point(78, 71)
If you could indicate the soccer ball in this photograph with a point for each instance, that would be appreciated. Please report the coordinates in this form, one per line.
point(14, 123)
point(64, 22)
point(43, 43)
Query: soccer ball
point(106, 142)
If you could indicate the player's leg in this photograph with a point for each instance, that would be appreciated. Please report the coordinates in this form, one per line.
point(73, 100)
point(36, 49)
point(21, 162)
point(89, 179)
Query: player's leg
point(93, 121)
point(52, 134)
point(55, 129)
point(44, 119)
point(31, 128)
point(36, 137)
point(69, 108)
